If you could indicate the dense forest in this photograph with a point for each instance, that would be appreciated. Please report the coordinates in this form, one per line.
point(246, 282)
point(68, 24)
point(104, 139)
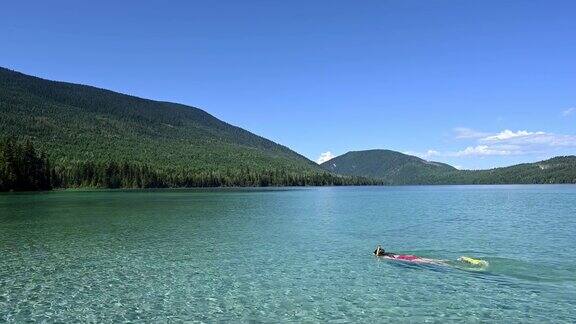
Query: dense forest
point(23, 168)
point(77, 123)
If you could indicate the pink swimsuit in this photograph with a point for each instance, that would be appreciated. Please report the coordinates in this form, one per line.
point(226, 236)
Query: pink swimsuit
point(406, 257)
point(412, 258)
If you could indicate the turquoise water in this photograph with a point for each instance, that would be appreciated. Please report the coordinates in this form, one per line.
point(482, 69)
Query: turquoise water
point(289, 255)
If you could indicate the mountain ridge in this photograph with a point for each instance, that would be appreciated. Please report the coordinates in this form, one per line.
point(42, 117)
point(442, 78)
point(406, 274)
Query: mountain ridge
point(99, 138)
point(126, 108)
point(392, 166)
point(398, 168)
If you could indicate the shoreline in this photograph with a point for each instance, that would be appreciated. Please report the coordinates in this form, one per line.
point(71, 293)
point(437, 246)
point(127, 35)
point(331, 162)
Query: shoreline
point(281, 188)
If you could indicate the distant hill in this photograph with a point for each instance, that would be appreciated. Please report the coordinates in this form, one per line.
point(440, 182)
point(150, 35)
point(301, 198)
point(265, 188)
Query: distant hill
point(86, 131)
point(393, 167)
point(560, 169)
point(396, 168)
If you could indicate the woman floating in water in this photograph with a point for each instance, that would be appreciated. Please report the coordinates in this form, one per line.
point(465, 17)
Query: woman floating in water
point(416, 259)
point(404, 257)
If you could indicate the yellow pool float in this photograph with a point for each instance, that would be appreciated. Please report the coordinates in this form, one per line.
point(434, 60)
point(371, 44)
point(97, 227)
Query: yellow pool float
point(472, 261)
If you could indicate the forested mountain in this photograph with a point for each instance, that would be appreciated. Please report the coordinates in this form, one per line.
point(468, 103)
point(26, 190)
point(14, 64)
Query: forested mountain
point(560, 169)
point(99, 138)
point(62, 135)
point(396, 168)
point(393, 167)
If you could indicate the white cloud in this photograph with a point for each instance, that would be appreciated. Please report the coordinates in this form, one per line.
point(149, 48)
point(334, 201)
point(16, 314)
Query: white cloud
point(463, 132)
point(508, 134)
point(326, 156)
point(569, 112)
point(482, 150)
point(505, 143)
point(525, 138)
point(508, 142)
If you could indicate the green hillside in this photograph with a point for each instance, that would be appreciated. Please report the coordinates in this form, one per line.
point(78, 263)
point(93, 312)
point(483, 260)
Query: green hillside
point(396, 168)
point(88, 133)
point(77, 122)
point(561, 169)
point(393, 167)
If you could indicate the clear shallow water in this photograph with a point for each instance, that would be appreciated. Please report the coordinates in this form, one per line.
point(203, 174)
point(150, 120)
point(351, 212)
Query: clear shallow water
point(288, 255)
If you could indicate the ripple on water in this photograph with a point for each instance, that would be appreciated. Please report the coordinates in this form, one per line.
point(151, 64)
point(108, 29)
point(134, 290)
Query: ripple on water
point(296, 255)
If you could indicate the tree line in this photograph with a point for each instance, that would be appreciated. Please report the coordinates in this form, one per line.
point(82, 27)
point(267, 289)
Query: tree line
point(24, 168)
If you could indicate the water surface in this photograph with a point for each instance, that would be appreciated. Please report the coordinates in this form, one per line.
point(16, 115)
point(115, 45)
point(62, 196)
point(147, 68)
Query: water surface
point(289, 255)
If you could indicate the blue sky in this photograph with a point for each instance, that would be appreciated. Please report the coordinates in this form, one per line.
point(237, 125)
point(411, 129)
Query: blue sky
point(476, 84)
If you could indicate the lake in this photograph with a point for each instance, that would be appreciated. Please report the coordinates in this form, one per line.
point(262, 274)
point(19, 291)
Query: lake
point(302, 255)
